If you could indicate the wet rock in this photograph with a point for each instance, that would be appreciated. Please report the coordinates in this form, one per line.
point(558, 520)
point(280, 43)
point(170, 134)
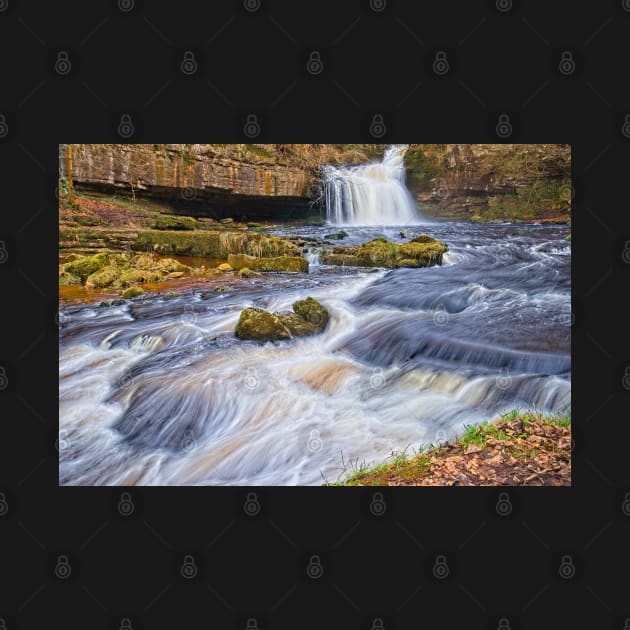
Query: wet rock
point(227, 221)
point(337, 235)
point(132, 292)
point(248, 273)
point(173, 222)
point(422, 238)
point(260, 325)
point(422, 251)
point(87, 265)
point(138, 275)
point(225, 267)
point(103, 278)
point(312, 312)
point(309, 317)
point(66, 278)
point(293, 264)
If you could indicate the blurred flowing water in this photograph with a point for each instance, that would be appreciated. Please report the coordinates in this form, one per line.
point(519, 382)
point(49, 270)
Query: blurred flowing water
point(370, 194)
point(159, 391)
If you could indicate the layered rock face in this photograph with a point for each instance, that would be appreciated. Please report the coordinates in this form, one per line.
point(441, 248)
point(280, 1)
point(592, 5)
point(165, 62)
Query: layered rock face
point(491, 181)
point(283, 181)
point(269, 181)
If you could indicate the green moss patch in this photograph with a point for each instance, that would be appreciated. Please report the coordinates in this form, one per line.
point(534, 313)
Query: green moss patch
point(213, 244)
point(174, 222)
point(292, 264)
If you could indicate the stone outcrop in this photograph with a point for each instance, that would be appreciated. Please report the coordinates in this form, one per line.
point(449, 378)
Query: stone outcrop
point(211, 179)
point(491, 181)
point(283, 181)
point(308, 317)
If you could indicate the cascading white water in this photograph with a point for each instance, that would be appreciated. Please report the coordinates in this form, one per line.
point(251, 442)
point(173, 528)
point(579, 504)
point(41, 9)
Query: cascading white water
point(370, 194)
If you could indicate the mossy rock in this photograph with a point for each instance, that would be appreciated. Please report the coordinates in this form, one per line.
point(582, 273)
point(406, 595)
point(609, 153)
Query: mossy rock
point(248, 273)
point(213, 244)
point(103, 278)
point(225, 267)
point(337, 235)
point(409, 262)
point(291, 264)
point(377, 253)
point(309, 317)
point(173, 222)
point(422, 238)
point(138, 275)
point(171, 294)
point(87, 265)
point(341, 260)
point(421, 251)
point(132, 292)
point(153, 263)
point(426, 254)
point(312, 312)
point(260, 325)
point(71, 258)
point(66, 279)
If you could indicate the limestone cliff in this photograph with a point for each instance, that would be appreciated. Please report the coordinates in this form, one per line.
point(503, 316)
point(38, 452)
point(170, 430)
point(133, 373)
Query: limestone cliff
point(491, 181)
point(258, 179)
point(277, 181)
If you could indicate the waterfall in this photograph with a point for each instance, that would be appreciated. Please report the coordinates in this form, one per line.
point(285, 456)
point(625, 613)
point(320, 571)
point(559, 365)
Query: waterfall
point(370, 194)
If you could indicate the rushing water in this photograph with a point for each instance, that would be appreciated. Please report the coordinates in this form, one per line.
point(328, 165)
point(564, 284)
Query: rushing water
point(159, 391)
point(370, 194)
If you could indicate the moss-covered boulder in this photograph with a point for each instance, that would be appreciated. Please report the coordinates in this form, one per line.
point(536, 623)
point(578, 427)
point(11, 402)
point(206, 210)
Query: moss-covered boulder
point(292, 264)
point(173, 222)
point(421, 251)
point(66, 278)
point(313, 312)
point(378, 252)
point(341, 260)
point(248, 273)
point(132, 276)
point(337, 235)
point(425, 253)
point(309, 317)
point(87, 265)
point(132, 292)
point(260, 325)
point(103, 278)
point(422, 238)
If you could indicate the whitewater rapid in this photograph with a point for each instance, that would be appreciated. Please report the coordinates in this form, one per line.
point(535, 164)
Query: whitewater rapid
point(159, 392)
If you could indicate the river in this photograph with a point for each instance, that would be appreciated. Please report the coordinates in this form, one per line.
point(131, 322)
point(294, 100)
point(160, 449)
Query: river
point(159, 391)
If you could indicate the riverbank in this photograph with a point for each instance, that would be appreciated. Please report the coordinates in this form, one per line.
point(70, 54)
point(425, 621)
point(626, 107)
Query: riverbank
point(520, 449)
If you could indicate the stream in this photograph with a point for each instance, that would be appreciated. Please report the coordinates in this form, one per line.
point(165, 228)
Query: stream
point(159, 391)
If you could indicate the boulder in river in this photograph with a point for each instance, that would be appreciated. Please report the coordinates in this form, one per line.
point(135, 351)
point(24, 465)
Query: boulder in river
point(420, 251)
point(279, 263)
point(309, 317)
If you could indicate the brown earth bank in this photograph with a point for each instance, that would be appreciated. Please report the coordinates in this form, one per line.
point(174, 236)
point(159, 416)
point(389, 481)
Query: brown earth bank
point(521, 449)
point(251, 182)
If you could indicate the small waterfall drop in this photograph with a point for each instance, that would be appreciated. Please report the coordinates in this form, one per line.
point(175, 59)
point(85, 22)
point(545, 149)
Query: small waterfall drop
point(370, 194)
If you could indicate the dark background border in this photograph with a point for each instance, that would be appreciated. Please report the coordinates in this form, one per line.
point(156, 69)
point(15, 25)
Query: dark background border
point(503, 58)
